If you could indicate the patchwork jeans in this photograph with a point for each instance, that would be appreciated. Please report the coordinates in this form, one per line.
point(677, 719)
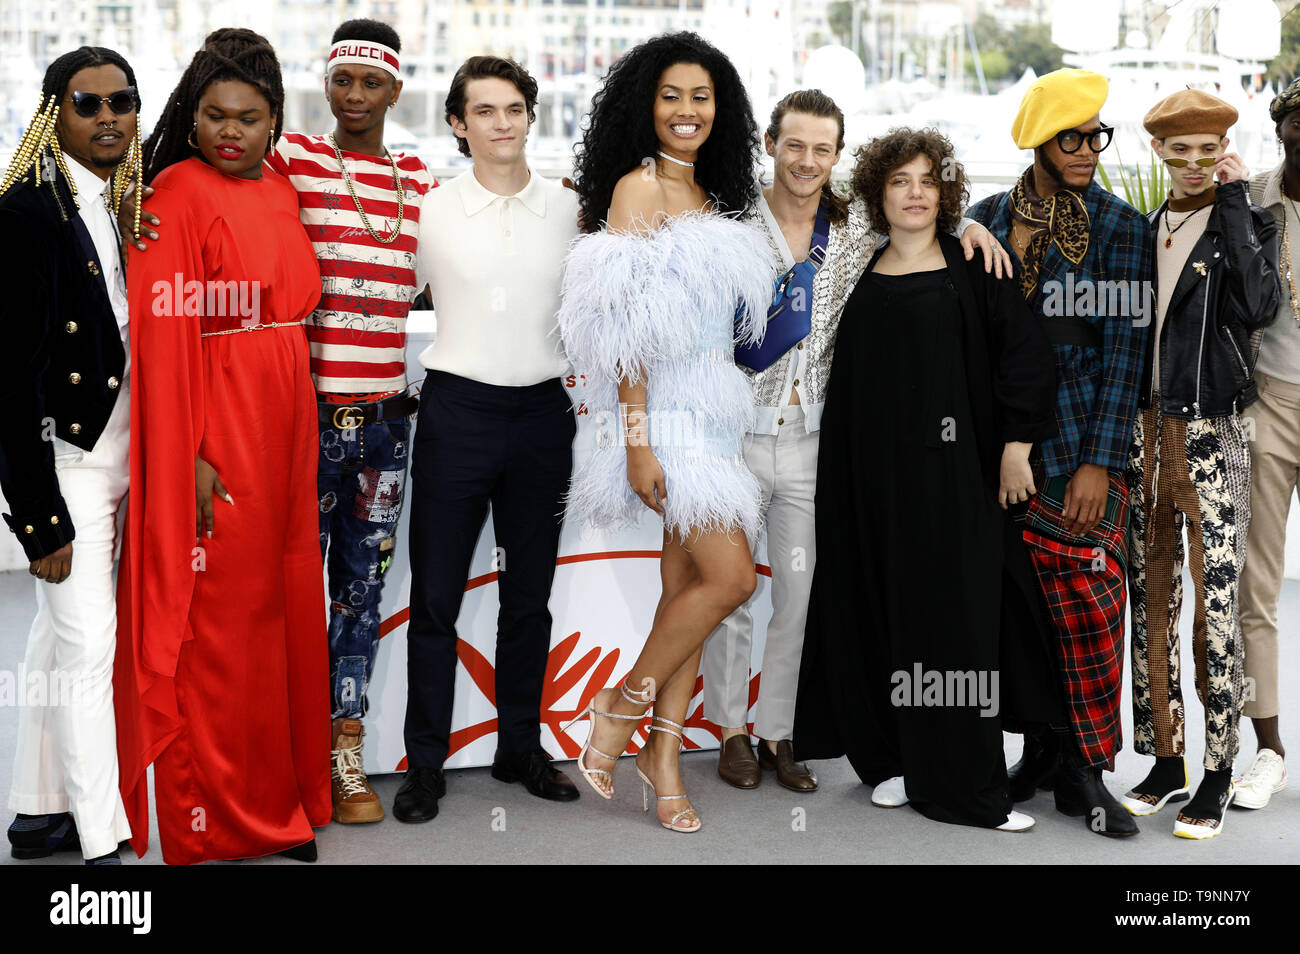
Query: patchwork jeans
point(361, 480)
point(1193, 474)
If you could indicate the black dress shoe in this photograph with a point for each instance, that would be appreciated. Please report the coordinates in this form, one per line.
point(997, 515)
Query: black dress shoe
point(417, 799)
point(1037, 768)
point(1080, 793)
point(56, 833)
point(303, 852)
point(534, 769)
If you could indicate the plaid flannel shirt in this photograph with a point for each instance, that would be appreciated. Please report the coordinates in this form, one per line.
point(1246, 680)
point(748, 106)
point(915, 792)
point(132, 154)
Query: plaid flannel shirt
point(1097, 394)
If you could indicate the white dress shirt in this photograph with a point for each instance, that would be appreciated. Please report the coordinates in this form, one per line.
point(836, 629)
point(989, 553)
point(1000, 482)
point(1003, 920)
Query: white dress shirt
point(102, 226)
point(493, 265)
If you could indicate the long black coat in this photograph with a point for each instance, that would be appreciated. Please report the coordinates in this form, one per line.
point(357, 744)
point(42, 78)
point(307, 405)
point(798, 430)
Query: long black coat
point(878, 587)
point(62, 360)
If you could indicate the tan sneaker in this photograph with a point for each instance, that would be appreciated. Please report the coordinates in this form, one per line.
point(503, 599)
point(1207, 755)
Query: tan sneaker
point(354, 800)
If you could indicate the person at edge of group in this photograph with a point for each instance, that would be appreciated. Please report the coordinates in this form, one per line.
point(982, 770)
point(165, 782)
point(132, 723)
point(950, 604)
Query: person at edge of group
point(1216, 285)
point(221, 671)
point(65, 442)
point(495, 430)
point(959, 379)
point(1080, 249)
point(365, 236)
point(650, 317)
point(1274, 463)
point(800, 208)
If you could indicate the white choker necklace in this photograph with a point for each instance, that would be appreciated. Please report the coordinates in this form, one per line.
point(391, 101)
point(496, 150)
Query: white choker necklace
point(680, 162)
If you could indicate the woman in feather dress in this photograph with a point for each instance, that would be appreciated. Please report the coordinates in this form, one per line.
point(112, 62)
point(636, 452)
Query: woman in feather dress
point(650, 316)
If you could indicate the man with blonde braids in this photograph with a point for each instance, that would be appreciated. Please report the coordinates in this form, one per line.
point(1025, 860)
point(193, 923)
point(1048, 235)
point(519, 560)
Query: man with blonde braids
point(63, 449)
point(1085, 266)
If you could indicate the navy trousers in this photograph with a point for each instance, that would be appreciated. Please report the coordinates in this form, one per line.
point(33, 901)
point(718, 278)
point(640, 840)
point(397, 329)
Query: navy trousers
point(478, 445)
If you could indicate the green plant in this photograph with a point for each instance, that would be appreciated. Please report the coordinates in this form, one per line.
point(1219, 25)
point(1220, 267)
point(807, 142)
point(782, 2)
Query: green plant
point(1144, 194)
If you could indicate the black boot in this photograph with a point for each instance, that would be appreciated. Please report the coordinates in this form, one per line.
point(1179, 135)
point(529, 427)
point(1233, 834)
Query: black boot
point(1037, 767)
point(1080, 793)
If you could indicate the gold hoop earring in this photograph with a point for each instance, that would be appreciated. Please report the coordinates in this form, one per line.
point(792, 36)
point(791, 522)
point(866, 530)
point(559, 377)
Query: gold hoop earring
point(190, 138)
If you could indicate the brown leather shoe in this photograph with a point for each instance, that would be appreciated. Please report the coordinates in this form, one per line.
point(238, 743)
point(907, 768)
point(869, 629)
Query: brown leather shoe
point(793, 775)
point(354, 800)
point(736, 763)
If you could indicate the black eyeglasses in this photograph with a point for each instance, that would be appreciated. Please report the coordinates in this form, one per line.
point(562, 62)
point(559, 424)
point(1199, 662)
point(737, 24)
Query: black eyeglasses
point(1098, 139)
point(121, 102)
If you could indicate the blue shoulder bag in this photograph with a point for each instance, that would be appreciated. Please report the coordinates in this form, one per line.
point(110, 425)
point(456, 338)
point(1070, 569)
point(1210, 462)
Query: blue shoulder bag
point(789, 317)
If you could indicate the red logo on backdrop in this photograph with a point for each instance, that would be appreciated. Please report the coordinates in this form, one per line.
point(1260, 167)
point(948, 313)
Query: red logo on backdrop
point(596, 665)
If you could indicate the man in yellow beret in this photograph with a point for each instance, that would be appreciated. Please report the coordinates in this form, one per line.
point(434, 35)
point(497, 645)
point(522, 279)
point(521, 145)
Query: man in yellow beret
point(1216, 285)
point(1085, 264)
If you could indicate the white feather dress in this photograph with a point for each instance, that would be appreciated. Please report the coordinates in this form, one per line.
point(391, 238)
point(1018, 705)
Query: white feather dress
point(663, 304)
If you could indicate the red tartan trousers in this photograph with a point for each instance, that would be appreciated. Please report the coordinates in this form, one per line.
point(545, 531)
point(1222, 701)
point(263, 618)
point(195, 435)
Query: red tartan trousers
point(1083, 580)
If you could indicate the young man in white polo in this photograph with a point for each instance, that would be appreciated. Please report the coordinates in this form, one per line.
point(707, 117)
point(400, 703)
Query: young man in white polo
point(495, 431)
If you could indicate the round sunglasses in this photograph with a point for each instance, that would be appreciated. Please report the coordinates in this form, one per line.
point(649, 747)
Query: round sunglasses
point(1178, 162)
point(122, 102)
point(1098, 139)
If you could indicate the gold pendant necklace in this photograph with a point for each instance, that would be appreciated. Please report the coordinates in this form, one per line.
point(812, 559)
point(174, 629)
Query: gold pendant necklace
point(1288, 204)
point(365, 220)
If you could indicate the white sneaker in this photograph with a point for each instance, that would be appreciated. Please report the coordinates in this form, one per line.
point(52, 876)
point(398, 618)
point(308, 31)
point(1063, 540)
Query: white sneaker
point(891, 793)
point(1264, 779)
point(1017, 821)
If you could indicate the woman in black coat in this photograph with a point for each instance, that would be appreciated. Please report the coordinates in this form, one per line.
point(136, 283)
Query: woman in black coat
point(925, 626)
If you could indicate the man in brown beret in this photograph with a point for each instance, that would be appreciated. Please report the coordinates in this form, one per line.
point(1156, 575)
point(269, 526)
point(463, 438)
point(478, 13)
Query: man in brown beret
point(1216, 285)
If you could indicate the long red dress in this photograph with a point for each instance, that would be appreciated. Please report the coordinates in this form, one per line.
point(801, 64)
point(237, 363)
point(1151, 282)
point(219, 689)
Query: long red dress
point(221, 679)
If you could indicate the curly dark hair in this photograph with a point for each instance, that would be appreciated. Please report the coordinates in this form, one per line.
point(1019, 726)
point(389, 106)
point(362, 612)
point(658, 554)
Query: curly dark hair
point(885, 154)
point(231, 53)
point(362, 28)
point(620, 130)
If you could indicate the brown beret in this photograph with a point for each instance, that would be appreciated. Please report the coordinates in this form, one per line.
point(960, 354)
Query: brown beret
point(1189, 112)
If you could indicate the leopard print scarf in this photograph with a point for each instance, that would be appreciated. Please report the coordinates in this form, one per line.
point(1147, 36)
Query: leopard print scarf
point(1061, 219)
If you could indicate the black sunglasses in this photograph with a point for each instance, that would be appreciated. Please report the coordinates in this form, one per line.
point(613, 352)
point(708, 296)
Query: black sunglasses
point(121, 102)
point(1098, 139)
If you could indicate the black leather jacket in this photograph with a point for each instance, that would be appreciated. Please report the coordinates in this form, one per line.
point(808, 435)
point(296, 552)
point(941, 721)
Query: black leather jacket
point(1228, 290)
point(63, 359)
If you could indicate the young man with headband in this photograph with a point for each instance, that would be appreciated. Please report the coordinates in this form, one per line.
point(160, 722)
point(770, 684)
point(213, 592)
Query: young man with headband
point(361, 207)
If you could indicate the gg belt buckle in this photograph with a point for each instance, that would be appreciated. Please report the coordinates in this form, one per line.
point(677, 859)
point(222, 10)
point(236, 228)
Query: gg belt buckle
point(351, 419)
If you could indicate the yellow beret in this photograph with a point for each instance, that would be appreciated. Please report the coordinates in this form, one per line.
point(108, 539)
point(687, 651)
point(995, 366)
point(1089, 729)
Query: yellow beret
point(1187, 112)
point(1057, 101)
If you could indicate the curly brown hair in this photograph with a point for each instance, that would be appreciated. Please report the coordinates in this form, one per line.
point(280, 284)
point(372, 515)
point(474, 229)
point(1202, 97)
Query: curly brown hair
point(876, 160)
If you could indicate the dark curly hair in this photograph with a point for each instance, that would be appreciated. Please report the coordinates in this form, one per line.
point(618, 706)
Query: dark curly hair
point(887, 153)
point(231, 53)
point(620, 130)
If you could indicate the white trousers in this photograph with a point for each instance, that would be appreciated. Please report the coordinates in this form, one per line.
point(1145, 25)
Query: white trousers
point(786, 468)
point(67, 736)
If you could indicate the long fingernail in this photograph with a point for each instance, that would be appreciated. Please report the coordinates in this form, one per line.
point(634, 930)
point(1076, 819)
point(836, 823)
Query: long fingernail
point(209, 534)
point(230, 500)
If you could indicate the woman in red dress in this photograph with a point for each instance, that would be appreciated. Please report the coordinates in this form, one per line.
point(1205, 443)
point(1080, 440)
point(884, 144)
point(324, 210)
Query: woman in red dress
point(222, 676)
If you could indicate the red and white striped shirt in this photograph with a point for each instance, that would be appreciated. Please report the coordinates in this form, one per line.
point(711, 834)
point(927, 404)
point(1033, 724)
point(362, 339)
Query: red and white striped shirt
point(358, 331)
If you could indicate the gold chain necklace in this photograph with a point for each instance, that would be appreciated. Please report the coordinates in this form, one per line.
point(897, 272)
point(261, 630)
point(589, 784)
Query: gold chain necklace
point(365, 220)
point(1286, 253)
